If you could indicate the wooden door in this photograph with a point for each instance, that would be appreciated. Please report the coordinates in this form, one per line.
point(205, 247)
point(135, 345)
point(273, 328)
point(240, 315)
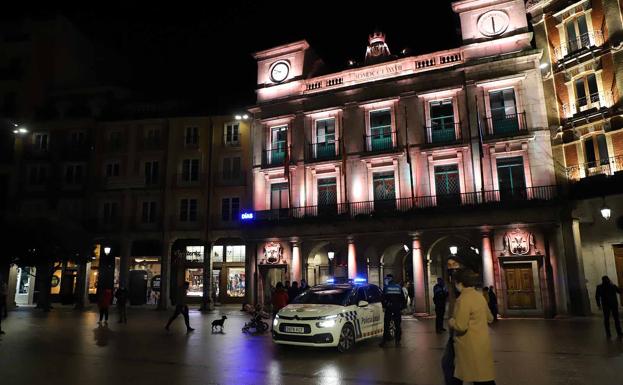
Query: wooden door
point(520, 287)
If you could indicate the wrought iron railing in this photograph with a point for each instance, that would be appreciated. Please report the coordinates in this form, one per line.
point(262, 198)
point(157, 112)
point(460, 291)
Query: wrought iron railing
point(380, 141)
point(585, 40)
point(392, 207)
point(274, 156)
point(323, 151)
point(601, 167)
point(595, 101)
point(443, 133)
point(506, 125)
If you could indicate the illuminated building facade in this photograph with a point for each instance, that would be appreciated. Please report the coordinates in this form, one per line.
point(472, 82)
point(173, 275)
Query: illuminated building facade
point(385, 165)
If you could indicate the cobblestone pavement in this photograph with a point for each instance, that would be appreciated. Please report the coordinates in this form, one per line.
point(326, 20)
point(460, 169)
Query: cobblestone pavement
point(67, 347)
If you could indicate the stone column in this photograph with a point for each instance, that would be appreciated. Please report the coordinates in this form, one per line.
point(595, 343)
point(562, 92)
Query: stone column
point(352, 259)
point(296, 273)
point(206, 302)
point(487, 260)
point(418, 275)
point(576, 280)
point(124, 263)
point(165, 275)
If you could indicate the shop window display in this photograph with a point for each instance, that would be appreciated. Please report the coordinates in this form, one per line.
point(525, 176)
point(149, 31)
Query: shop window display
point(194, 253)
point(235, 254)
point(195, 278)
point(236, 282)
point(217, 254)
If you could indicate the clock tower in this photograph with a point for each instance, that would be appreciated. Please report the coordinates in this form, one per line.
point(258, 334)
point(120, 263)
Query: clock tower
point(493, 26)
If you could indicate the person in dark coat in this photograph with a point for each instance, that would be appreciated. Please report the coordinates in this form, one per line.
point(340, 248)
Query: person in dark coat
point(606, 297)
point(440, 297)
point(122, 299)
point(181, 307)
point(493, 303)
point(293, 291)
point(393, 303)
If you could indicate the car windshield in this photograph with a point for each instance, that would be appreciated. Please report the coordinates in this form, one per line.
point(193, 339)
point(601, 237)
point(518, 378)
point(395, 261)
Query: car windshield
point(324, 295)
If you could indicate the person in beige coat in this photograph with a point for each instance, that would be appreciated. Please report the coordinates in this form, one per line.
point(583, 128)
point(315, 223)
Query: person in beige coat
point(473, 357)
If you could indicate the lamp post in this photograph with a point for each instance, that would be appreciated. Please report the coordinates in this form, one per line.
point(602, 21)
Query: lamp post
point(453, 250)
point(331, 255)
point(605, 210)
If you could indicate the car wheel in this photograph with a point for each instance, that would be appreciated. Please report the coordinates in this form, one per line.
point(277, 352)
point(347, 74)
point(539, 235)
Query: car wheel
point(347, 339)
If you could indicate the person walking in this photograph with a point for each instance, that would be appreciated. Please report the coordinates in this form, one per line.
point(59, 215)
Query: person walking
point(104, 303)
point(293, 291)
point(181, 307)
point(279, 300)
point(393, 303)
point(440, 297)
point(122, 299)
point(606, 297)
point(493, 303)
point(473, 359)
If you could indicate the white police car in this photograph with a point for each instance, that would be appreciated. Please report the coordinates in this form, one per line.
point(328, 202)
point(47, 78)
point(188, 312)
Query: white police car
point(331, 315)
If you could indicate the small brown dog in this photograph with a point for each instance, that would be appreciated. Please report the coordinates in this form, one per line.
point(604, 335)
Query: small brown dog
point(219, 323)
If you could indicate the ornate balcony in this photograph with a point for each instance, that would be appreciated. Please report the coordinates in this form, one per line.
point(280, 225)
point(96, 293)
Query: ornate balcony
point(274, 157)
point(585, 41)
point(317, 152)
point(603, 167)
point(443, 134)
point(506, 125)
point(587, 105)
point(380, 142)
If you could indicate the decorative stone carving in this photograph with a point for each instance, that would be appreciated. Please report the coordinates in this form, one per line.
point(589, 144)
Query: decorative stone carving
point(519, 242)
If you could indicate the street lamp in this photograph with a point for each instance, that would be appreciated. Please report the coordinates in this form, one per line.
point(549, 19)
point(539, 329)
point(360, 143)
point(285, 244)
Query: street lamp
point(106, 250)
point(453, 250)
point(606, 212)
point(331, 255)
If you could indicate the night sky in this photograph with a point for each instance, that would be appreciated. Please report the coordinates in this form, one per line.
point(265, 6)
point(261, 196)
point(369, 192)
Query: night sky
point(202, 50)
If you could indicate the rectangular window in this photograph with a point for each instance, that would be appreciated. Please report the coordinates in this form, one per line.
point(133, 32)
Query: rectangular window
point(217, 254)
point(325, 139)
point(41, 142)
point(77, 138)
point(114, 140)
point(230, 209)
point(279, 196)
point(227, 168)
point(73, 174)
point(586, 93)
point(596, 151)
point(442, 121)
point(236, 282)
point(384, 186)
point(195, 278)
point(447, 184)
point(190, 170)
point(149, 212)
point(380, 130)
point(511, 178)
point(503, 107)
point(327, 196)
point(111, 210)
point(577, 34)
point(278, 149)
point(225, 209)
point(37, 175)
point(152, 172)
point(231, 168)
point(188, 210)
point(112, 169)
point(192, 136)
point(232, 136)
point(195, 253)
point(235, 254)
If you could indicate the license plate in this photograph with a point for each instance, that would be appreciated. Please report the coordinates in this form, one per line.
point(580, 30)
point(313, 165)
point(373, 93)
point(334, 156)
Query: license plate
point(294, 329)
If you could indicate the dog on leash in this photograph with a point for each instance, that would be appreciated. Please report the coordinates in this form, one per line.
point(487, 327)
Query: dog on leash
point(219, 323)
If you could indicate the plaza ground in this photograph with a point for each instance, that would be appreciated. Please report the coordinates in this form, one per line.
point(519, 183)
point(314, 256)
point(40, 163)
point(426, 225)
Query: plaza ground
point(67, 347)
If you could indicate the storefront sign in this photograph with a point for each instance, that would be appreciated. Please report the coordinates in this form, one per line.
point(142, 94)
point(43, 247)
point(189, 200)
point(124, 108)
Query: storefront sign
point(273, 253)
point(519, 242)
point(247, 216)
point(192, 254)
point(378, 72)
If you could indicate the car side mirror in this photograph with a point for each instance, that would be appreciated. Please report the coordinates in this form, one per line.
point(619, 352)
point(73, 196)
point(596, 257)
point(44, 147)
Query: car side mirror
point(362, 303)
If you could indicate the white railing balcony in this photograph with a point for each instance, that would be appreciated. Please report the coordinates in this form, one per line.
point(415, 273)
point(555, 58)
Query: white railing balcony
point(584, 41)
point(601, 167)
point(595, 101)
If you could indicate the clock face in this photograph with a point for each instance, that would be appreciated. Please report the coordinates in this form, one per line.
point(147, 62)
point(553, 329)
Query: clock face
point(279, 72)
point(493, 23)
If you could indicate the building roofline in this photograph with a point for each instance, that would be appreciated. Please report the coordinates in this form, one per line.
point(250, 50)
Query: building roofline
point(280, 50)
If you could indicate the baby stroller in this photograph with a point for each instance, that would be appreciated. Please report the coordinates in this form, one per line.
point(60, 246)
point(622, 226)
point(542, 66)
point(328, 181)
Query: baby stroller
point(256, 325)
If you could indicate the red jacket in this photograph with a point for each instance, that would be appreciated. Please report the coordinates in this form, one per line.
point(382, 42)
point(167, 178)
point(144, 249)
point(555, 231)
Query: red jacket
point(105, 299)
point(280, 299)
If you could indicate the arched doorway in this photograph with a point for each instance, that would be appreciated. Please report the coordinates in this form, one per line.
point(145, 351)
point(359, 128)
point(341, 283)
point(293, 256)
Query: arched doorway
point(318, 266)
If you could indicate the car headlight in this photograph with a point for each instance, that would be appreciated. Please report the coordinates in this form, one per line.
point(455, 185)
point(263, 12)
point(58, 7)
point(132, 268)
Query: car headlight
point(327, 322)
point(276, 321)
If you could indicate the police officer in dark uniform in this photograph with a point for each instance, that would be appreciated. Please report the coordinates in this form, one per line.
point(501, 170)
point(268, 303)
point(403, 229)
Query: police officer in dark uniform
point(393, 303)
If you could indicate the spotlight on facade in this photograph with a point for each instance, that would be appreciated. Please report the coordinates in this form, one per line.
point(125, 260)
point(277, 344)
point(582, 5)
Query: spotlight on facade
point(245, 116)
point(22, 130)
point(15, 125)
point(331, 255)
point(238, 117)
point(15, 131)
point(351, 62)
point(453, 250)
point(406, 248)
point(543, 66)
point(606, 212)
point(107, 250)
